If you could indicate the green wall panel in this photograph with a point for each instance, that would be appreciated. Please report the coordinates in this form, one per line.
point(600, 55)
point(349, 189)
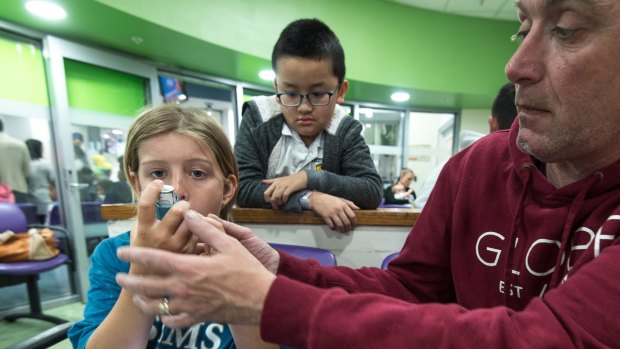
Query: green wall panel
point(99, 89)
point(22, 72)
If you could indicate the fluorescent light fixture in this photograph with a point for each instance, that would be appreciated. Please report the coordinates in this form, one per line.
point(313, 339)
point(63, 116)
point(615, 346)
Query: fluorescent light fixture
point(46, 10)
point(400, 96)
point(267, 74)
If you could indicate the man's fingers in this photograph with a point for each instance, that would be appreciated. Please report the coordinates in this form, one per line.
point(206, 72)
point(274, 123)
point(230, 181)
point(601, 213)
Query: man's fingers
point(151, 286)
point(237, 231)
point(206, 231)
point(182, 320)
point(159, 261)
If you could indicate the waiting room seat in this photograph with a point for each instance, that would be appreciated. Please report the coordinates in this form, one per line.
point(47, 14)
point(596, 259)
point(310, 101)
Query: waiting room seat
point(30, 210)
point(14, 273)
point(384, 205)
point(91, 213)
point(323, 256)
point(388, 259)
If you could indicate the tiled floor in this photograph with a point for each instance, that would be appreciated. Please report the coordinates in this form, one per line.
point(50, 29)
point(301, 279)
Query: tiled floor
point(54, 288)
point(26, 328)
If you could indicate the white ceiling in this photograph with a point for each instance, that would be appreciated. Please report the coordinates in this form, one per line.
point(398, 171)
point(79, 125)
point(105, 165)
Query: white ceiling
point(497, 9)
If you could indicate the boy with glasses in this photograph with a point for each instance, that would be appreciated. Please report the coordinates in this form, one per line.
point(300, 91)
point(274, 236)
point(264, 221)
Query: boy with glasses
point(298, 149)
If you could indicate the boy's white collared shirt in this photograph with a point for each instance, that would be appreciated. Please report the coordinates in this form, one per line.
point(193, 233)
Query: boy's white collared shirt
point(290, 155)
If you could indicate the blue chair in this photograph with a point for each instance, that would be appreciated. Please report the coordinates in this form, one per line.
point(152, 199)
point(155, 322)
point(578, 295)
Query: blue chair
point(388, 259)
point(14, 273)
point(321, 255)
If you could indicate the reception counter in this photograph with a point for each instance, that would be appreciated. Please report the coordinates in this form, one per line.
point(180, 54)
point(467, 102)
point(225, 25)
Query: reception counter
point(378, 233)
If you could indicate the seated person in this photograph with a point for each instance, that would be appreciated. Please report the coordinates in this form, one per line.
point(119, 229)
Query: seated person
point(186, 149)
point(399, 193)
point(299, 149)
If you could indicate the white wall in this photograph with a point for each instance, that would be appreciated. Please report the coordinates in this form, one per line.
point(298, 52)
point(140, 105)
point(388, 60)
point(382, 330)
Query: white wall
point(475, 120)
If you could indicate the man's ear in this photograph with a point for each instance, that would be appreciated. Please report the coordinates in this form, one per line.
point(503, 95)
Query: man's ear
point(493, 126)
point(230, 188)
point(344, 87)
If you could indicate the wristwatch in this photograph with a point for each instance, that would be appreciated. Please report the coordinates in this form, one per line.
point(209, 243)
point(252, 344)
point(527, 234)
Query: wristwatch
point(305, 200)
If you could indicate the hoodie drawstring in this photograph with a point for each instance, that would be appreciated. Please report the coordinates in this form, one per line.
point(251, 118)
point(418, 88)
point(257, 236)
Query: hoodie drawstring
point(516, 222)
point(566, 231)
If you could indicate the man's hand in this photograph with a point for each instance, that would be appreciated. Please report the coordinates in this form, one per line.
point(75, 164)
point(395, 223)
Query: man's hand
point(281, 188)
point(229, 286)
point(268, 256)
point(336, 212)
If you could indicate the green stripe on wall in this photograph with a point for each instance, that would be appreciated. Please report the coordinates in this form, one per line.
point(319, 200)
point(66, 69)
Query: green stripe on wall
point(22, 72)
point(94, 88)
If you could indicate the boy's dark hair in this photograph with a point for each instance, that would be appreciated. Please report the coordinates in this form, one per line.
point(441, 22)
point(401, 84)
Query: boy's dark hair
point(504, 109)
point(310, 38)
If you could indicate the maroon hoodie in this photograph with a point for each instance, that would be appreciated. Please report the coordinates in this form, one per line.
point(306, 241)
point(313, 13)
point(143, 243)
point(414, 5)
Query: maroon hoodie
point(499, 258)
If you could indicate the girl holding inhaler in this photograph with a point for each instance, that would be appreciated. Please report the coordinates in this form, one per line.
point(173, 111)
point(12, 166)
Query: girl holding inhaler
point(184, 148)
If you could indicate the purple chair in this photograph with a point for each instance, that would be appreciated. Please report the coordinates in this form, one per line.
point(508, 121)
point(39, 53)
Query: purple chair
point(321, 255)
point(14, 273)
point(388, 259)
point(91, 213)
point(384, 205)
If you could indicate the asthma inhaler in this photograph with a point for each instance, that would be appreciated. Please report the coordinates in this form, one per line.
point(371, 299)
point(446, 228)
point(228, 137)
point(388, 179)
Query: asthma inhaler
point(167, 198)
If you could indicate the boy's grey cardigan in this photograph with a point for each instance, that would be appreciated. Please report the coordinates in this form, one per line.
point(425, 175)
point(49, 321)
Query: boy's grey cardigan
point(348, 170)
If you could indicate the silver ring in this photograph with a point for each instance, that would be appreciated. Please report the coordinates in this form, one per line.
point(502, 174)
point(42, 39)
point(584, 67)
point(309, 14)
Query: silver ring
point(164, 309)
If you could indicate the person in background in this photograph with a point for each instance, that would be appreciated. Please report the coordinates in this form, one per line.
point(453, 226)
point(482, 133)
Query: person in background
point(400, 192)
point(14, 165)
point(504, 110)
point(41, 181)
point(518, 245)
point(120, 191)
point(403, 181)
point(503, 113)
point(185, 148)
point(85, 173)
point(298, 149)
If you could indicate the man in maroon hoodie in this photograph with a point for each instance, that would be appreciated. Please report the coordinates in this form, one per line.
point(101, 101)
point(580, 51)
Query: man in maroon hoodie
point(540, 270)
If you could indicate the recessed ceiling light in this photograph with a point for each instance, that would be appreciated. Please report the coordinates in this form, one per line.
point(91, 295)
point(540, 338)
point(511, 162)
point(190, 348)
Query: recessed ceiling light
point(46, 10)
point(400, 96)
point(267, 74)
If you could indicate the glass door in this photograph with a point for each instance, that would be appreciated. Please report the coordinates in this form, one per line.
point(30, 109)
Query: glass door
point(94, 96)
point(25, 116)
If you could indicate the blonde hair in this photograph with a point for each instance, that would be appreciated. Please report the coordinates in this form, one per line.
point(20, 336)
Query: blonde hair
point(191, 122)
point(403, 172)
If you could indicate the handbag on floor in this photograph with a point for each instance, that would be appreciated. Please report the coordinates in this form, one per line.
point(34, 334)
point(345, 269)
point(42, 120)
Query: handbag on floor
point(33, 245)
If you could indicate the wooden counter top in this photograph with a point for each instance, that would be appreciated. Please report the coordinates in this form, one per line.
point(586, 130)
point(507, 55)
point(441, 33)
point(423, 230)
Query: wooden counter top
point(379, 217)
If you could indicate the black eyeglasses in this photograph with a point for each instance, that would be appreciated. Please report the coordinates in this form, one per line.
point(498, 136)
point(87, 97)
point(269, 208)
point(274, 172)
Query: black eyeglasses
point(316, 99)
